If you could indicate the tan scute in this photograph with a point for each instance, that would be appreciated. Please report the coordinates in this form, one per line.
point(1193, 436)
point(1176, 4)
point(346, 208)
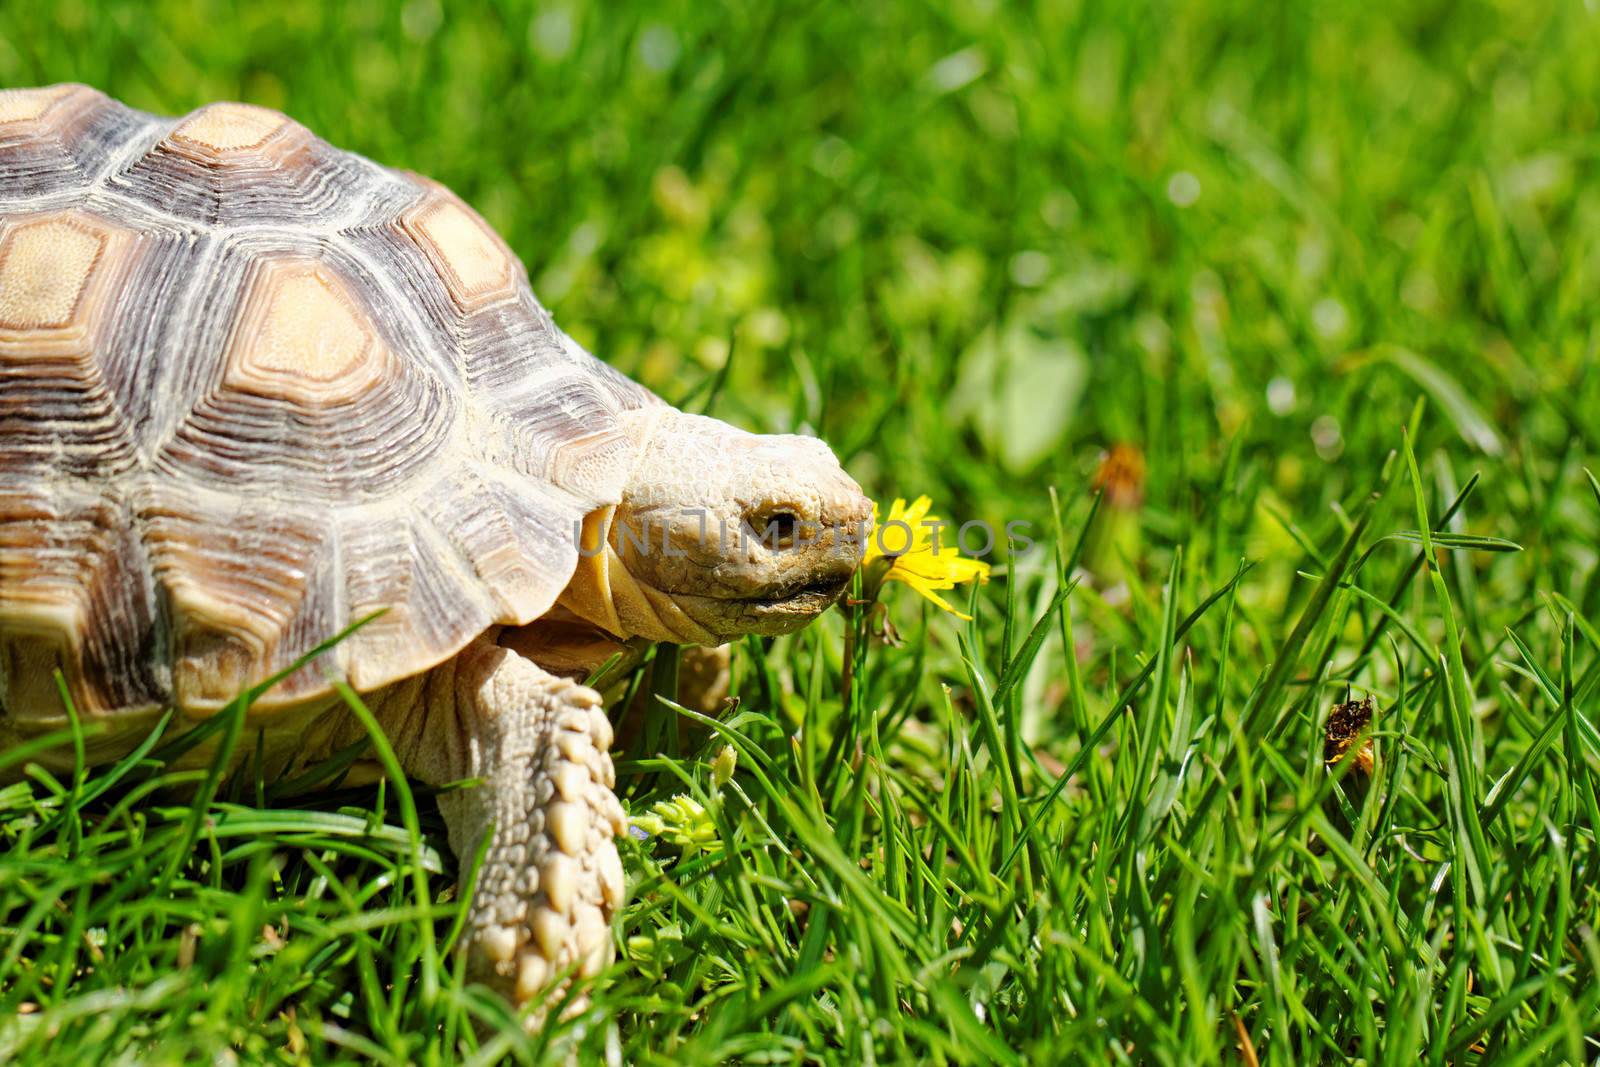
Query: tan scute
point(44, 268)
point(57, 272)
point(475, 265)
point(303, 336)
point(230, 127)
point(26, 105)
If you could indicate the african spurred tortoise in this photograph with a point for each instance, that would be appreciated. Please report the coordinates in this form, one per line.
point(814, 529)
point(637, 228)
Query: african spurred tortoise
point(254, 389)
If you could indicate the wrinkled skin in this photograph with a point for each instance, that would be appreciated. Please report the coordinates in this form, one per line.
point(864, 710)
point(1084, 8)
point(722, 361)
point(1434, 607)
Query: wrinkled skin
point(719, 533)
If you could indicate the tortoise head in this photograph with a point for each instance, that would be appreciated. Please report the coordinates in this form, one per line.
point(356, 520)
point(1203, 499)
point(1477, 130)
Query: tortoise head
point(719, 533)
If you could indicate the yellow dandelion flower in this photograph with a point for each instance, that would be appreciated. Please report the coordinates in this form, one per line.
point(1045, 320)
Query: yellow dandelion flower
point(918, 548)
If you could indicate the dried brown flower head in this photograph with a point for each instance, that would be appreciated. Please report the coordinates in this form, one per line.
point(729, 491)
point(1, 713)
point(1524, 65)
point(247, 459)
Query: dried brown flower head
point(1121, 476)
point(1349, 727)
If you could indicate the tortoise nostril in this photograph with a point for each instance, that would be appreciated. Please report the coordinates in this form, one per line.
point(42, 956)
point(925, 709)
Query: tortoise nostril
point(782, 524)
point(775, 529)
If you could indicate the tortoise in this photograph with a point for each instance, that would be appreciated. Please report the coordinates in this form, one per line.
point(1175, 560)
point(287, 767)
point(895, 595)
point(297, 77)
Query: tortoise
point(255, 389)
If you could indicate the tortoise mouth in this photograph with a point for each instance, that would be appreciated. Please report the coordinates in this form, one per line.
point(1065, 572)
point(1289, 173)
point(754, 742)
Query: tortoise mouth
point(799, 591)
point(820, 590)
point(778, 610)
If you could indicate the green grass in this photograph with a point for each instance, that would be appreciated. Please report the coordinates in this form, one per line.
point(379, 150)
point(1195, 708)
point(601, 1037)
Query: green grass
point(973, 246)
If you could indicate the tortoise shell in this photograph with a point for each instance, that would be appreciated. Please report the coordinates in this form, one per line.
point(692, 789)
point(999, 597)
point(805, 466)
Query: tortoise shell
point(254, 389)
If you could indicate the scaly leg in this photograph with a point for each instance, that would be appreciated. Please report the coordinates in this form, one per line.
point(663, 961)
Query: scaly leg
point(551, 880)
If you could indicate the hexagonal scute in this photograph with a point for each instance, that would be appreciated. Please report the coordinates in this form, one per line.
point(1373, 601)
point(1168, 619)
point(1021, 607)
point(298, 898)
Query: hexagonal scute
point(236, 164)
point(302, 335)
point(218, 129)
point(30, 105)
point(60, 276)
point(45, 265)
point(59, 139)
point(477, 267)
point(310, 399)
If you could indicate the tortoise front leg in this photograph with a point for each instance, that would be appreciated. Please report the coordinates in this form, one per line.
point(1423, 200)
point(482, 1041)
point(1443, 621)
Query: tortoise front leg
point(551, 880)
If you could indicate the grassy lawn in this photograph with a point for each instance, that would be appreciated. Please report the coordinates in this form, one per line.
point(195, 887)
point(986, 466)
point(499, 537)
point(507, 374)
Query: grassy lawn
point(1322, 283)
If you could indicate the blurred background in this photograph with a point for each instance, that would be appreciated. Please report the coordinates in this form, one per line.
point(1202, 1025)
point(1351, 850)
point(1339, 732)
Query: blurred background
point(978, 245)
